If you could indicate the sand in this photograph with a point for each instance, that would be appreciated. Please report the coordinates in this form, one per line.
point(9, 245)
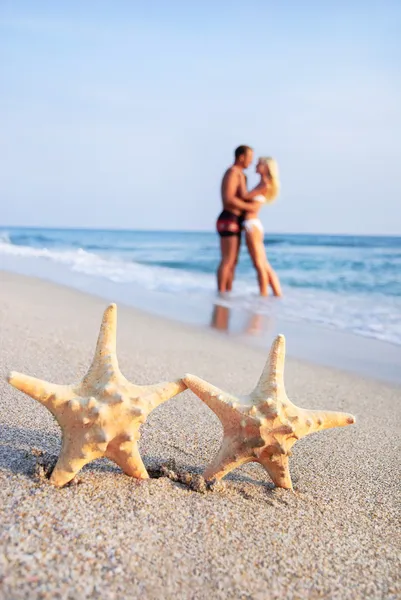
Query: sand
point(111, 537)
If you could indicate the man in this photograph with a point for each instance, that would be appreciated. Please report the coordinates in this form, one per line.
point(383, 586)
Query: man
point(229, 223)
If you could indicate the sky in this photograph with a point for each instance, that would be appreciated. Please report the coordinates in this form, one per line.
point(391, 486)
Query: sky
point(125, 114)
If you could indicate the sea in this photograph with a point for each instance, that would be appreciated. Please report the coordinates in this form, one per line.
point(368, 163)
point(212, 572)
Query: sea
point(343, 282)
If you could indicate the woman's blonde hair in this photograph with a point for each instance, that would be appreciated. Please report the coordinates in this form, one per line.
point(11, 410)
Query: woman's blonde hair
point(274, 187)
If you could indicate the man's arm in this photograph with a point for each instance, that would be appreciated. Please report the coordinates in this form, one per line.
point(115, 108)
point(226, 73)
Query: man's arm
point(229, 192)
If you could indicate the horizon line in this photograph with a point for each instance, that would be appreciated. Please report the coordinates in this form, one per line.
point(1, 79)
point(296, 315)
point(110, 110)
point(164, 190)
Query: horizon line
point(195, 231)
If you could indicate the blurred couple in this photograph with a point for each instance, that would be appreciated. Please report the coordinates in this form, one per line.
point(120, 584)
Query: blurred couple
point(241, 213)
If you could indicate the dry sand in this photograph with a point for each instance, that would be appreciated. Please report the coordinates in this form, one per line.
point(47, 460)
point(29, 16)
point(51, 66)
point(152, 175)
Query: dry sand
point(111, 537)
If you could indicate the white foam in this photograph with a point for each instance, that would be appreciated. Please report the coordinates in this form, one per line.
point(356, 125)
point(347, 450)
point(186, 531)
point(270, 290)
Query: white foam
point(118, 271)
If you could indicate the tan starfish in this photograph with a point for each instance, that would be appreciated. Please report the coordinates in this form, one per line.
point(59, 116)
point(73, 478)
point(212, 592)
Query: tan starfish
point(100, 415)
point(263, 426)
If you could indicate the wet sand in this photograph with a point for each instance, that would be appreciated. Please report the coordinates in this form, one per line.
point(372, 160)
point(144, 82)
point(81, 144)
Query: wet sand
point(111, 537)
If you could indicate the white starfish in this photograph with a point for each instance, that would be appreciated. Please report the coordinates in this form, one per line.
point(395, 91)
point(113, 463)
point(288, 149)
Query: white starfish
point(101, 415)
point(263, 426)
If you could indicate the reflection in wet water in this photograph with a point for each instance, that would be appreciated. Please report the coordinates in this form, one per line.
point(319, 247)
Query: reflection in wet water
point(249, 323)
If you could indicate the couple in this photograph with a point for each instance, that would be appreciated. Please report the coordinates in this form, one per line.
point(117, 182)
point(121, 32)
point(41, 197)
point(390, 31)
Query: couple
point(240, 211)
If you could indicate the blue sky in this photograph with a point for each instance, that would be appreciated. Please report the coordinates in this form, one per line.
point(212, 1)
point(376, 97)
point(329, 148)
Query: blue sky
point(125, 114)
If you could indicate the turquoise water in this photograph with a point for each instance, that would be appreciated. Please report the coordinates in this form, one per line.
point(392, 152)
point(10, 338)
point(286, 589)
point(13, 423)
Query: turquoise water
point(350, 283)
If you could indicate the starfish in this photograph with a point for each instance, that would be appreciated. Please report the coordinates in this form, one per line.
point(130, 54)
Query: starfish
point(101, 415)
point(263, 426)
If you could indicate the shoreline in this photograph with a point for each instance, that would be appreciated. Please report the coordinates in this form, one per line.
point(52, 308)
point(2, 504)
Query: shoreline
point(364, 356)
point(112, 537)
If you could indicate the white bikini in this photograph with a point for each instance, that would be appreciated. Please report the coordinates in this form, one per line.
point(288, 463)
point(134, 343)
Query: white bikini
point(249, 224)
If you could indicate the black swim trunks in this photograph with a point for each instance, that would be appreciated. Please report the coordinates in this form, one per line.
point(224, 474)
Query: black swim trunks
point(229, 224)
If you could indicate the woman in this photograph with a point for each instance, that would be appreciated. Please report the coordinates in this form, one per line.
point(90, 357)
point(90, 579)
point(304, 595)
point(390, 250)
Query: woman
point(269, 186)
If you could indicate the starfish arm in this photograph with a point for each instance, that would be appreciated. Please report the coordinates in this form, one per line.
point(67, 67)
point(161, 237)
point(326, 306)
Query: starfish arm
point(105, 359)
point(271, 382)
point(153, 395)
point(126, 455)
point(311, 421)
point(221, 403)
point(106, 346)
point(232, 454)
point(50, 395)
point(73, 457)
point(278, 468)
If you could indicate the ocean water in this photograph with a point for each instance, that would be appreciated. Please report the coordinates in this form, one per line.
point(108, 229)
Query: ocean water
point(349, 283)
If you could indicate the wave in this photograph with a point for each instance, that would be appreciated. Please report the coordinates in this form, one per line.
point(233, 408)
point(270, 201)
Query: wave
point(5, 237)
point(336, 297)
point(29, 238)
point(334, 241)
point(33, 236)
point(139, 259)
point(119, 271)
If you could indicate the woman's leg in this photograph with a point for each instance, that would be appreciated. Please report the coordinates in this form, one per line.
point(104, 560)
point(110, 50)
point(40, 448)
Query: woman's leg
point(254, 242)
point(274, 281)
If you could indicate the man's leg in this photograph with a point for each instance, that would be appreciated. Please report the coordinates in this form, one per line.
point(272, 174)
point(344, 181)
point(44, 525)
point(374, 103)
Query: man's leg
point(229, 251)
point(230, 281)
point(220, 317)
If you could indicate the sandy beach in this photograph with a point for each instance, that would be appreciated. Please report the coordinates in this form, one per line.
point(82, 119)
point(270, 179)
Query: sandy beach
point(111, 537)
